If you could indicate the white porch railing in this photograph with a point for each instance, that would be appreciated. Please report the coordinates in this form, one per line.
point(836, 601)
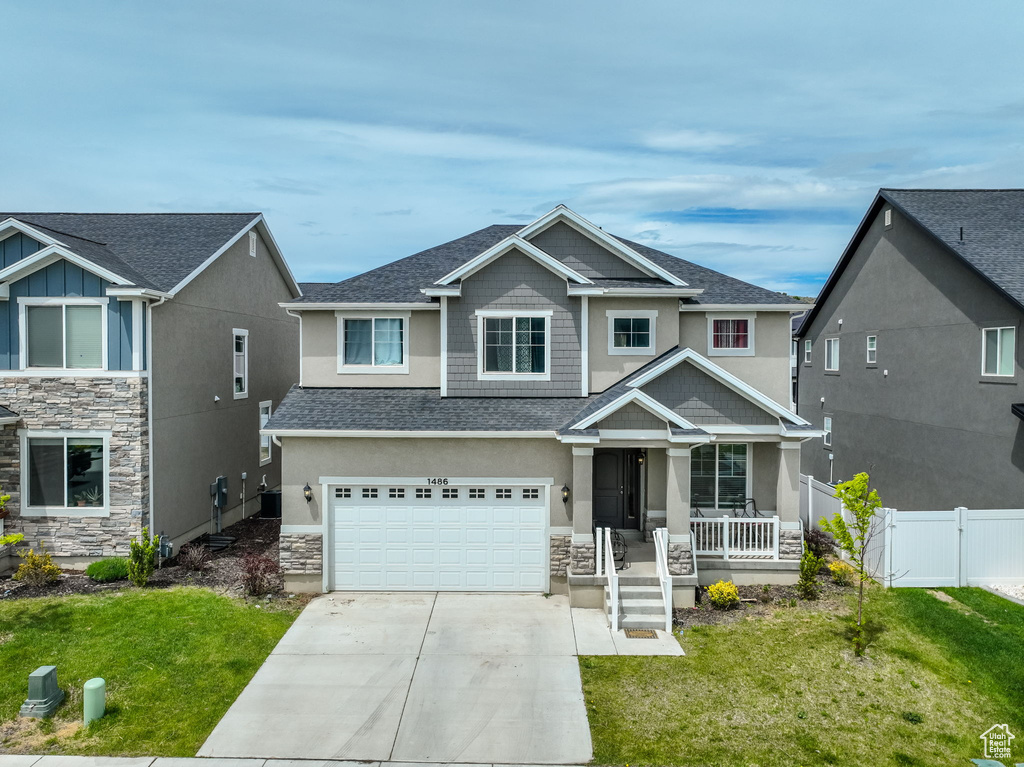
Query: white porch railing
point(664, 577)
point(728, 537)
point(605, 558)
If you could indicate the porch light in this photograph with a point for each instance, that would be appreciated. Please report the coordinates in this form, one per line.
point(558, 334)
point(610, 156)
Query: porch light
point(307, 493)
point(565, 493)
point(640, 459)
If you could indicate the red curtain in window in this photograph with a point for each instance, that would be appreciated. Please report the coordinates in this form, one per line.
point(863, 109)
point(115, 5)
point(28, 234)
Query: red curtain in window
point(731, 334)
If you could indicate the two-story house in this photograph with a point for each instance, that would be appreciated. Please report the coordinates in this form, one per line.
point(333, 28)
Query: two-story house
point(467, 416)
point(139, 356)
point(909, 361)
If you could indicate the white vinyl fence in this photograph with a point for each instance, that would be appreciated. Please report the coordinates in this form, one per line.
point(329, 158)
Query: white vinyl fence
point(954, 547)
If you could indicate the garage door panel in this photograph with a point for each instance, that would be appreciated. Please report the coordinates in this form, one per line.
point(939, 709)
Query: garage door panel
point(399, 538)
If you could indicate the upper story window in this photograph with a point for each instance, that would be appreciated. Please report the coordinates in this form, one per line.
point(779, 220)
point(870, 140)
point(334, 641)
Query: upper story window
point(827, 438)
point(631, 332)
point(514, 345)
point(265, 443)
point(64, 333)
point(832, 354)
point(872, 350)
point(373, 344)
point(998, 351)
point(731, 336)
point(252, 244)
point(807, 351)
point(240, 363)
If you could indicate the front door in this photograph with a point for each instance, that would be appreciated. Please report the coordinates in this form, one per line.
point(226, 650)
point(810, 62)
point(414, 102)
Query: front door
point(609, 492)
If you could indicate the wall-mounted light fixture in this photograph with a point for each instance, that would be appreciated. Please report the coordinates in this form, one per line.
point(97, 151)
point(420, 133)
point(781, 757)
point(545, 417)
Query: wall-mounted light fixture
point(565, 493)
point(307, 493)
point(640, 459)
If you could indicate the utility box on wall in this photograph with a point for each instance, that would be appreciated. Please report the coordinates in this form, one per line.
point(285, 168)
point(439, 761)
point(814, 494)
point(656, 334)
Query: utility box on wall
point(219, 492)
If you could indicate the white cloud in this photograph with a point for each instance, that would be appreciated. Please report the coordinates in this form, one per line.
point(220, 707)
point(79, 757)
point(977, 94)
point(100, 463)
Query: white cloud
point(691, 140)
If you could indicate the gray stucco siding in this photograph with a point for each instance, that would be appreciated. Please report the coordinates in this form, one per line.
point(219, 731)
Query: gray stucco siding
point(582, 254)
point(514, 282)
point(64, 279)
point(929, 428)
point(701, 399)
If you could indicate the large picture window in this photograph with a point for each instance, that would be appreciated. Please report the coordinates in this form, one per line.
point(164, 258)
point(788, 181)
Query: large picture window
point(66, 472)
point(515, 346)
point(64, 335)
point(373, 344)
point(718, 476)
point(998, 351)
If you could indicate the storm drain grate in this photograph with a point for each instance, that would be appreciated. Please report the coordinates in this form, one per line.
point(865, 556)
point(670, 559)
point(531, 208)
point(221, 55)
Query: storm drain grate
point(640, 634)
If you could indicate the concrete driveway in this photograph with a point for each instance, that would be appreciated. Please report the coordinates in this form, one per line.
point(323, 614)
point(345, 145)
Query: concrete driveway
point(417, 677)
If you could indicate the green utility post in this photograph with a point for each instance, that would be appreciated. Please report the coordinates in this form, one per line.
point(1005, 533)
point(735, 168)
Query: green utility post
point(94, 699)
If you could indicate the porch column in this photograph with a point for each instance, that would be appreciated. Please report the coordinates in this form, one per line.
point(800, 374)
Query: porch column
point(677, 511)
point(677, 494)
point(582, 553)
point(787, 488)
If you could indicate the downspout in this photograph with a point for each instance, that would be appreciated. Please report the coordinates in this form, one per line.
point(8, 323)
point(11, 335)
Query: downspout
point(298, 316)
point(149, 403)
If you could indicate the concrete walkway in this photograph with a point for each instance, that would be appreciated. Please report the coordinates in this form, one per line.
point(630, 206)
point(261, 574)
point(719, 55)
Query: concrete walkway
point(104, 761)
point(415, 677)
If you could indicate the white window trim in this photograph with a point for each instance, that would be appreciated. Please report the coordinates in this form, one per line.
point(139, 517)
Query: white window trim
point(869, 350)
point(631, 351)
point(513, 376)
point(750, 471)
point(64, 511)
point(269, 405)
point(252, 243)
point(999, 344)
point(826, 426)
point(27, 301)
point(828, 357)
point(748, 352)
point(245, 333)
point(808, 347)
point(373, 369)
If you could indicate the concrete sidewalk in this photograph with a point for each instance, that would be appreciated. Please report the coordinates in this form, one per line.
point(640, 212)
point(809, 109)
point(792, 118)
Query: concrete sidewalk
point(147, 761)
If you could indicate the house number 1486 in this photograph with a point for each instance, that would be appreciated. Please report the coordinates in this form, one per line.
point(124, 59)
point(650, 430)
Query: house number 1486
point(437, 481)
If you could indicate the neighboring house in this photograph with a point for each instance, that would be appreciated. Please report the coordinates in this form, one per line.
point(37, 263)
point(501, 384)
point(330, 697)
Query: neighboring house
point(909, 361)
point(466, 416)
point(139, 356)
point(796, 320)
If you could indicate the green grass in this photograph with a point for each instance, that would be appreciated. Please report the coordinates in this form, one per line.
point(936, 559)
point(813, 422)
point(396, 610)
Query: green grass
point(174, 661)
point(786, 690)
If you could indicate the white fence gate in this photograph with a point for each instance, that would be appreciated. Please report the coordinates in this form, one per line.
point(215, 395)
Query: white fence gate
point(955, 547)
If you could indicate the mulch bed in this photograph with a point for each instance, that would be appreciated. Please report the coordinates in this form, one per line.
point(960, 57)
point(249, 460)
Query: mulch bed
point(756, 602)
point(222, 574)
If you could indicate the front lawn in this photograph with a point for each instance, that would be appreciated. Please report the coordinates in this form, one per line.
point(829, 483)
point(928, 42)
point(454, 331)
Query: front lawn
point(174, 661)
point(785, 689)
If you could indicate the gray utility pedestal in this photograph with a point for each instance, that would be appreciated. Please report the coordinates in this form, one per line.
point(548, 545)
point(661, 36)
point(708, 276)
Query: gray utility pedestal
point(43, 693)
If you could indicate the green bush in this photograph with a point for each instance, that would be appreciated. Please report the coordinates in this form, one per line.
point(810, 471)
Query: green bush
point(810, 565)
point(142, 558)
point(724, 594)
point(106, 570)
point(37, 569)
point(842, 573)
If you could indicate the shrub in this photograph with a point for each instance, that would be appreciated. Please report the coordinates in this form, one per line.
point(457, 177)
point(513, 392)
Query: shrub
point(843, 573)
point(820, 543)
point(37, 569)
point(807, 585)
point(11, 540)
point(258, 573)
point(723, 594)
point(106, 570)
point(194, 556)
point(142, 558)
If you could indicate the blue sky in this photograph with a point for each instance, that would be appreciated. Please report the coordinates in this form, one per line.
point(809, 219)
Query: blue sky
point(746, 136)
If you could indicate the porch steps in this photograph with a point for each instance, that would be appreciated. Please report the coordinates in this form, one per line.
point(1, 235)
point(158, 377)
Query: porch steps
point(640, 603)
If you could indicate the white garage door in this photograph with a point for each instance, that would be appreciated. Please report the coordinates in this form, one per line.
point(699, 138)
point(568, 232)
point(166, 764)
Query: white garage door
point(441, 538)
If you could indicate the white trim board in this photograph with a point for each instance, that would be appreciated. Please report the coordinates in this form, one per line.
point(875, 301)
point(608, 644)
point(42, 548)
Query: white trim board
point(51, 255)
point(513, 242)
point(425, 481)
point(645, 401)
point(410, 434)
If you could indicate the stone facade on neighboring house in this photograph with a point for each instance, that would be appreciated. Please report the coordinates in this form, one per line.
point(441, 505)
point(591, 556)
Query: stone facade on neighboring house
point(114, 405)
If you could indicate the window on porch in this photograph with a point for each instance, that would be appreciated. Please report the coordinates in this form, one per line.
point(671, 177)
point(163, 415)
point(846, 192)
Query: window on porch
point(718, 476)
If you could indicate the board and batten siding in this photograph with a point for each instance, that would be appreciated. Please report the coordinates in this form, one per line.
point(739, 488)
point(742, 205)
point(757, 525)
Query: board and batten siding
point(515, 282)
point(17, 247)
point(58, 280)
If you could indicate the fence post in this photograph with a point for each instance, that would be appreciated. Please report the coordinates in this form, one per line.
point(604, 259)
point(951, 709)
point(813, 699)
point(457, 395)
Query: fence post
point(888, 520)
point(961, 549)
point(810, 501)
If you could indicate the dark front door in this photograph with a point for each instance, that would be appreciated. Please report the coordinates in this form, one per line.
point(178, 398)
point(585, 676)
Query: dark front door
point(609, 492)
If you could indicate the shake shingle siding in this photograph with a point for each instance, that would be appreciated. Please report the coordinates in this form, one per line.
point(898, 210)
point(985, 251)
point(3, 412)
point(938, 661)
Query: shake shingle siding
point(583, 255)
point(517, 283)
point(632, 416)
point(700, 399)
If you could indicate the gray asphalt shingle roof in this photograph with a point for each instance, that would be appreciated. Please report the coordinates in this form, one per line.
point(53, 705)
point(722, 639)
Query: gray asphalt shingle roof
point(393, 409)
point(402, 280)
point(153, 250)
